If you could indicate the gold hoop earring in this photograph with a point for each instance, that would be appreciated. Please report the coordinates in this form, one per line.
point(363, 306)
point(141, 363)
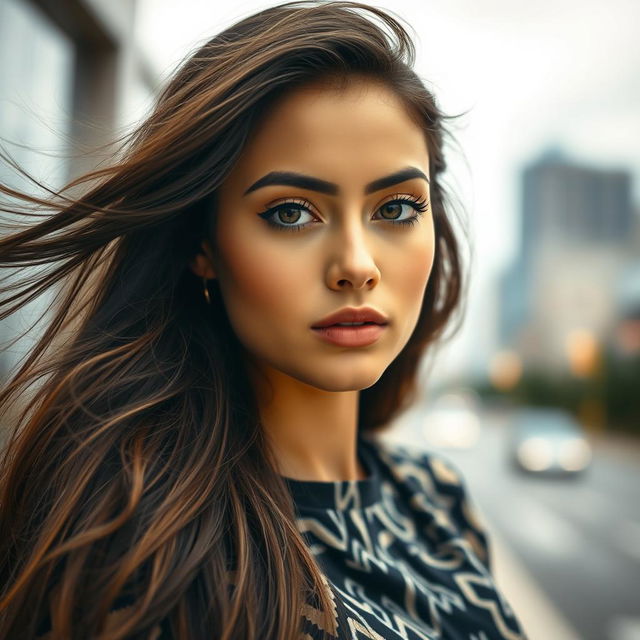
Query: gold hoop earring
point(207, 297)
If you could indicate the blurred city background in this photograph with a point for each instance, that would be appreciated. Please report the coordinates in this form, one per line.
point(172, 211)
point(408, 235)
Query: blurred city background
point(536, 398)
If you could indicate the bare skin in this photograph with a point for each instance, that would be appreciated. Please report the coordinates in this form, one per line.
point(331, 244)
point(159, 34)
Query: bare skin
point(278, 282)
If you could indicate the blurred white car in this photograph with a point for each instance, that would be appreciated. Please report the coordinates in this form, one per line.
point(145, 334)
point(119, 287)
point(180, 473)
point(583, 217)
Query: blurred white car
point(548, 441)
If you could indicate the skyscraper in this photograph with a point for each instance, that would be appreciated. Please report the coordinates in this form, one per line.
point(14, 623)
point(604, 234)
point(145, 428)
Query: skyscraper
point(576, 235)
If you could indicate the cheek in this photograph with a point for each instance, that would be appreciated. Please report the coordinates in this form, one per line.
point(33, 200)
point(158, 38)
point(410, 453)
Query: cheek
point(413, 270)
point(260, 282)
point(408, 279)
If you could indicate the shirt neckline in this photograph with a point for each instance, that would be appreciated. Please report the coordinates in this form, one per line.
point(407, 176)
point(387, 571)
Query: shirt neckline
point(340, 495)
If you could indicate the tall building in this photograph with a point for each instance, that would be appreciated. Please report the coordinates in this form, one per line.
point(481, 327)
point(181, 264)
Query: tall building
point(576, 236)
point(571, 205)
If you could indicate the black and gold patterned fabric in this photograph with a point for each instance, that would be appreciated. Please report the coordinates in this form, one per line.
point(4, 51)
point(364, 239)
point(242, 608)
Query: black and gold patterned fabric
point(403, 551)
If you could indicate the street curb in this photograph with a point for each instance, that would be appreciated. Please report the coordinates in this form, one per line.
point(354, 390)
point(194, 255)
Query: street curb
point(539, 617)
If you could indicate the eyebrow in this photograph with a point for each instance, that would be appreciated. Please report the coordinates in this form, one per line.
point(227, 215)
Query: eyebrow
point(292, 179)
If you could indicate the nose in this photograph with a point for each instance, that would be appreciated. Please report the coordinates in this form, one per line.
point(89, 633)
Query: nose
point(351, 264)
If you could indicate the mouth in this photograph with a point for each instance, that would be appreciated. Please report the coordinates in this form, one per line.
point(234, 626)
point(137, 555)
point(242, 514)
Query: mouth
point(349, 324)
point(352, 326)
point(353, 316)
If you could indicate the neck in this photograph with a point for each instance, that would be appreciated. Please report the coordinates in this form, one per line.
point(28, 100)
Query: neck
point(313, 432)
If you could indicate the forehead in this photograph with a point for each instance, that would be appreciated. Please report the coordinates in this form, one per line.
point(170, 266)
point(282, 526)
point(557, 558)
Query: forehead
point(352, 133)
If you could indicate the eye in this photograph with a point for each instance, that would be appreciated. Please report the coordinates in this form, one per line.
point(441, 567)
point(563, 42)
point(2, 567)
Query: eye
point(392, 210)
point(288, 213)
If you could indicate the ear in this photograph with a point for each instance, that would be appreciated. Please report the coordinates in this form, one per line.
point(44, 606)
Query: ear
point(202, 263)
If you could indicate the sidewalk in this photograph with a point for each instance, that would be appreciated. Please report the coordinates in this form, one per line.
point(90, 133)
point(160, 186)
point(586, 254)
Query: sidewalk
point(538, 616)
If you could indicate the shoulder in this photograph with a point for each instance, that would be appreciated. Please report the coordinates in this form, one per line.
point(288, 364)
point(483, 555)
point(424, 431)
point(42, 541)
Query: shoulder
point(434, 483)
point(431, 471)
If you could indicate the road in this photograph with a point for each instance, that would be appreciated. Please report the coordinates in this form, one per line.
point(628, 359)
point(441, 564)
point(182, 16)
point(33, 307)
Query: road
point(567, 550)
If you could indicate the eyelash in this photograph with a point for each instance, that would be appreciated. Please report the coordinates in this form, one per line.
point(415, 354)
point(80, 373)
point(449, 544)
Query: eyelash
point(420, 205)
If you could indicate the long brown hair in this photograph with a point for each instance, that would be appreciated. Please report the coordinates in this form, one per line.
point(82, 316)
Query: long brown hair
point(136, 469)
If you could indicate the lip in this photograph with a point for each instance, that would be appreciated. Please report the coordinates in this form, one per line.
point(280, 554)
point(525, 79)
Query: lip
point(360, 336)
point(328, 329)
point(352, 314)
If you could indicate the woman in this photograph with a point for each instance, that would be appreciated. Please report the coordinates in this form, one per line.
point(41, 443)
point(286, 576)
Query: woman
point(199, 458)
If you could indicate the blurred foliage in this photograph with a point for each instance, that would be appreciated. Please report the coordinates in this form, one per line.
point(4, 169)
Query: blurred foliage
point(612, 393)
point(621, 391)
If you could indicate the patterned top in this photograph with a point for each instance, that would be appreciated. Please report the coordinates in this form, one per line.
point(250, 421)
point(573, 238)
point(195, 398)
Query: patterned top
point(403, 551)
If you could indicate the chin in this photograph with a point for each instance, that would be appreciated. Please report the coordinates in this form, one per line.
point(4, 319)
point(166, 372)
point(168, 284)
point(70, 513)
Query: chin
point(343, 380)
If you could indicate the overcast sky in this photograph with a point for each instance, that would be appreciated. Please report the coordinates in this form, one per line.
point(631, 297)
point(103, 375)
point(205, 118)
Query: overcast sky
point(531, 74)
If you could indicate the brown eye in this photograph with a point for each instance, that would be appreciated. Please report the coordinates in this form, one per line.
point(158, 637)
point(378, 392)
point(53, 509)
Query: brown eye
point(290, 214)
point(285, 216)
point(391, 210)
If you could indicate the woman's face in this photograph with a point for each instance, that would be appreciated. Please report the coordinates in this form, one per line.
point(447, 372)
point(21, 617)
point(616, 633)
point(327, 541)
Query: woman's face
point(288, 255)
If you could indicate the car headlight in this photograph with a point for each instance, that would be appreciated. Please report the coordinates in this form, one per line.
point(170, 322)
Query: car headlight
point(574, 454)
point(535, 454)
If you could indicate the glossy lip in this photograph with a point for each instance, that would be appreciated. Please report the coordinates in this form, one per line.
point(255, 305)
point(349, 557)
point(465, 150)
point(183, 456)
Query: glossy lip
point(359, 336)
point(352, 314)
